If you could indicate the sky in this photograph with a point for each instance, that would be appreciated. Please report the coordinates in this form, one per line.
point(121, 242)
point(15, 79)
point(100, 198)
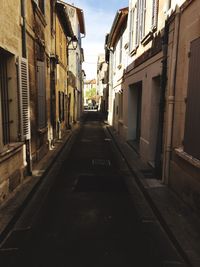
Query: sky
point(99, 16)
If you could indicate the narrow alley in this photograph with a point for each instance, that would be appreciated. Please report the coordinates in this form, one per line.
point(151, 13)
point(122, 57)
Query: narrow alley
point(87, 217)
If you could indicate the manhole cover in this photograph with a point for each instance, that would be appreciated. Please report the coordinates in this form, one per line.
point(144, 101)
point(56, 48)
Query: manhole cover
point(148, 173)
point(101, 162)
point(86, 140)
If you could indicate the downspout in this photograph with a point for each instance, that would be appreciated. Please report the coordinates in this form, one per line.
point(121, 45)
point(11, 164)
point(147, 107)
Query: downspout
point(163, 83)
point(24, 55)
point(68, 99)
point(110, 88)
point(82, 84)
point(171, 101)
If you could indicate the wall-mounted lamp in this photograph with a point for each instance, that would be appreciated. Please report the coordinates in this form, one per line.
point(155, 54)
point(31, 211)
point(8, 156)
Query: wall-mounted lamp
point(74, 42)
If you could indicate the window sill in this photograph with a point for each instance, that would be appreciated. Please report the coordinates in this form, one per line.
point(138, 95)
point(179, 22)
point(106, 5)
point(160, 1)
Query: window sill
point(133, 51)
point(182, 154)
point(148, 37)
point(9, 150)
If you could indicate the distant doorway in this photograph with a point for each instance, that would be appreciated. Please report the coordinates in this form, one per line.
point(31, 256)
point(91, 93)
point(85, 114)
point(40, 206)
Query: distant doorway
point(134, 115)
point(155, 109)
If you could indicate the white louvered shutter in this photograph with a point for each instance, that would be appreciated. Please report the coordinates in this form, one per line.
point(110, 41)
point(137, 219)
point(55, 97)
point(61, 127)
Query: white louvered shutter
point(24, 99)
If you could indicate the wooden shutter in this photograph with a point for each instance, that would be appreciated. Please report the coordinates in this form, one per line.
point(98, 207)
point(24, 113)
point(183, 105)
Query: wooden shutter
point(61, 99)
point(4, 98)
point(137, 24)
point(24, 99)
point(60, 105)
point(143, 18)
point(41, 94)
point(154, 13)
point(192, 122)
point(131, 29)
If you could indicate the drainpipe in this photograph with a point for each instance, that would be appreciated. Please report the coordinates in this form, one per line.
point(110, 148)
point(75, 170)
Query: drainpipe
point(163, 83)
point(171, 101)
point(24, 55)
point(110, 85)
point(23, 29)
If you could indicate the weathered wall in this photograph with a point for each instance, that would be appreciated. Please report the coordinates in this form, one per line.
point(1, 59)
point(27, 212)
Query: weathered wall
point(184, 177)
point(10, 29)
point(39, 43)
point(145, 73)
point(61, 82)
point(11, 155)
point(11, 170)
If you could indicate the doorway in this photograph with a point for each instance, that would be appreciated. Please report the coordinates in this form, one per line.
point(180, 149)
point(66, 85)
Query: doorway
point(155, 109)
point(134, 115)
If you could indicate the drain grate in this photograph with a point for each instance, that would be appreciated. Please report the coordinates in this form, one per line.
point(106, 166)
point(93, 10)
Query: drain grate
point(148, 173)
point(101, 162)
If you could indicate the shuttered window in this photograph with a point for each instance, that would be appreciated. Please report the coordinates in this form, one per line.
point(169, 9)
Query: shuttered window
point(24, 99)
point(131, 29)
point(41, 95)
point(61, 98)
point(121, 106)
point(4, 99)
point(120, 48)
point(140, 21)
point(154, 13)
point(192, 119)
point(41, 5)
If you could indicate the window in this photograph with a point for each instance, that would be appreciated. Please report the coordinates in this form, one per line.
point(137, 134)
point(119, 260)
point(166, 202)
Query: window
point(41, 95)
point(131, 29)
point(154, 14)
point(13, 99)
point(192, 125)
point(4, 100)
point(41, 5)
point(114, 59)
point(121, 105)
point(140, 21)
point(52, 16)
point(60, 43)
point(61, 99)
point(120, 48)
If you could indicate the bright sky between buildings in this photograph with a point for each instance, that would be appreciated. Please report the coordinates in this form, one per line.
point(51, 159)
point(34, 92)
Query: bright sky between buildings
point(99, 16)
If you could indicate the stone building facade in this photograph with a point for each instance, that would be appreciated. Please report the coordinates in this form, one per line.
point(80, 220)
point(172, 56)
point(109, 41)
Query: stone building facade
point(181, 165)
point(158, 114)
point(34, 40)
point(11, 147)
point(102, 83)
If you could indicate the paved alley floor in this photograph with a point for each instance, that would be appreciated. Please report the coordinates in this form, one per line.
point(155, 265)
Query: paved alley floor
point(88, 217)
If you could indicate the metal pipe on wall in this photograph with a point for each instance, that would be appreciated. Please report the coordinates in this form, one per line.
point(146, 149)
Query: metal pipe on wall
point(171, 102)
